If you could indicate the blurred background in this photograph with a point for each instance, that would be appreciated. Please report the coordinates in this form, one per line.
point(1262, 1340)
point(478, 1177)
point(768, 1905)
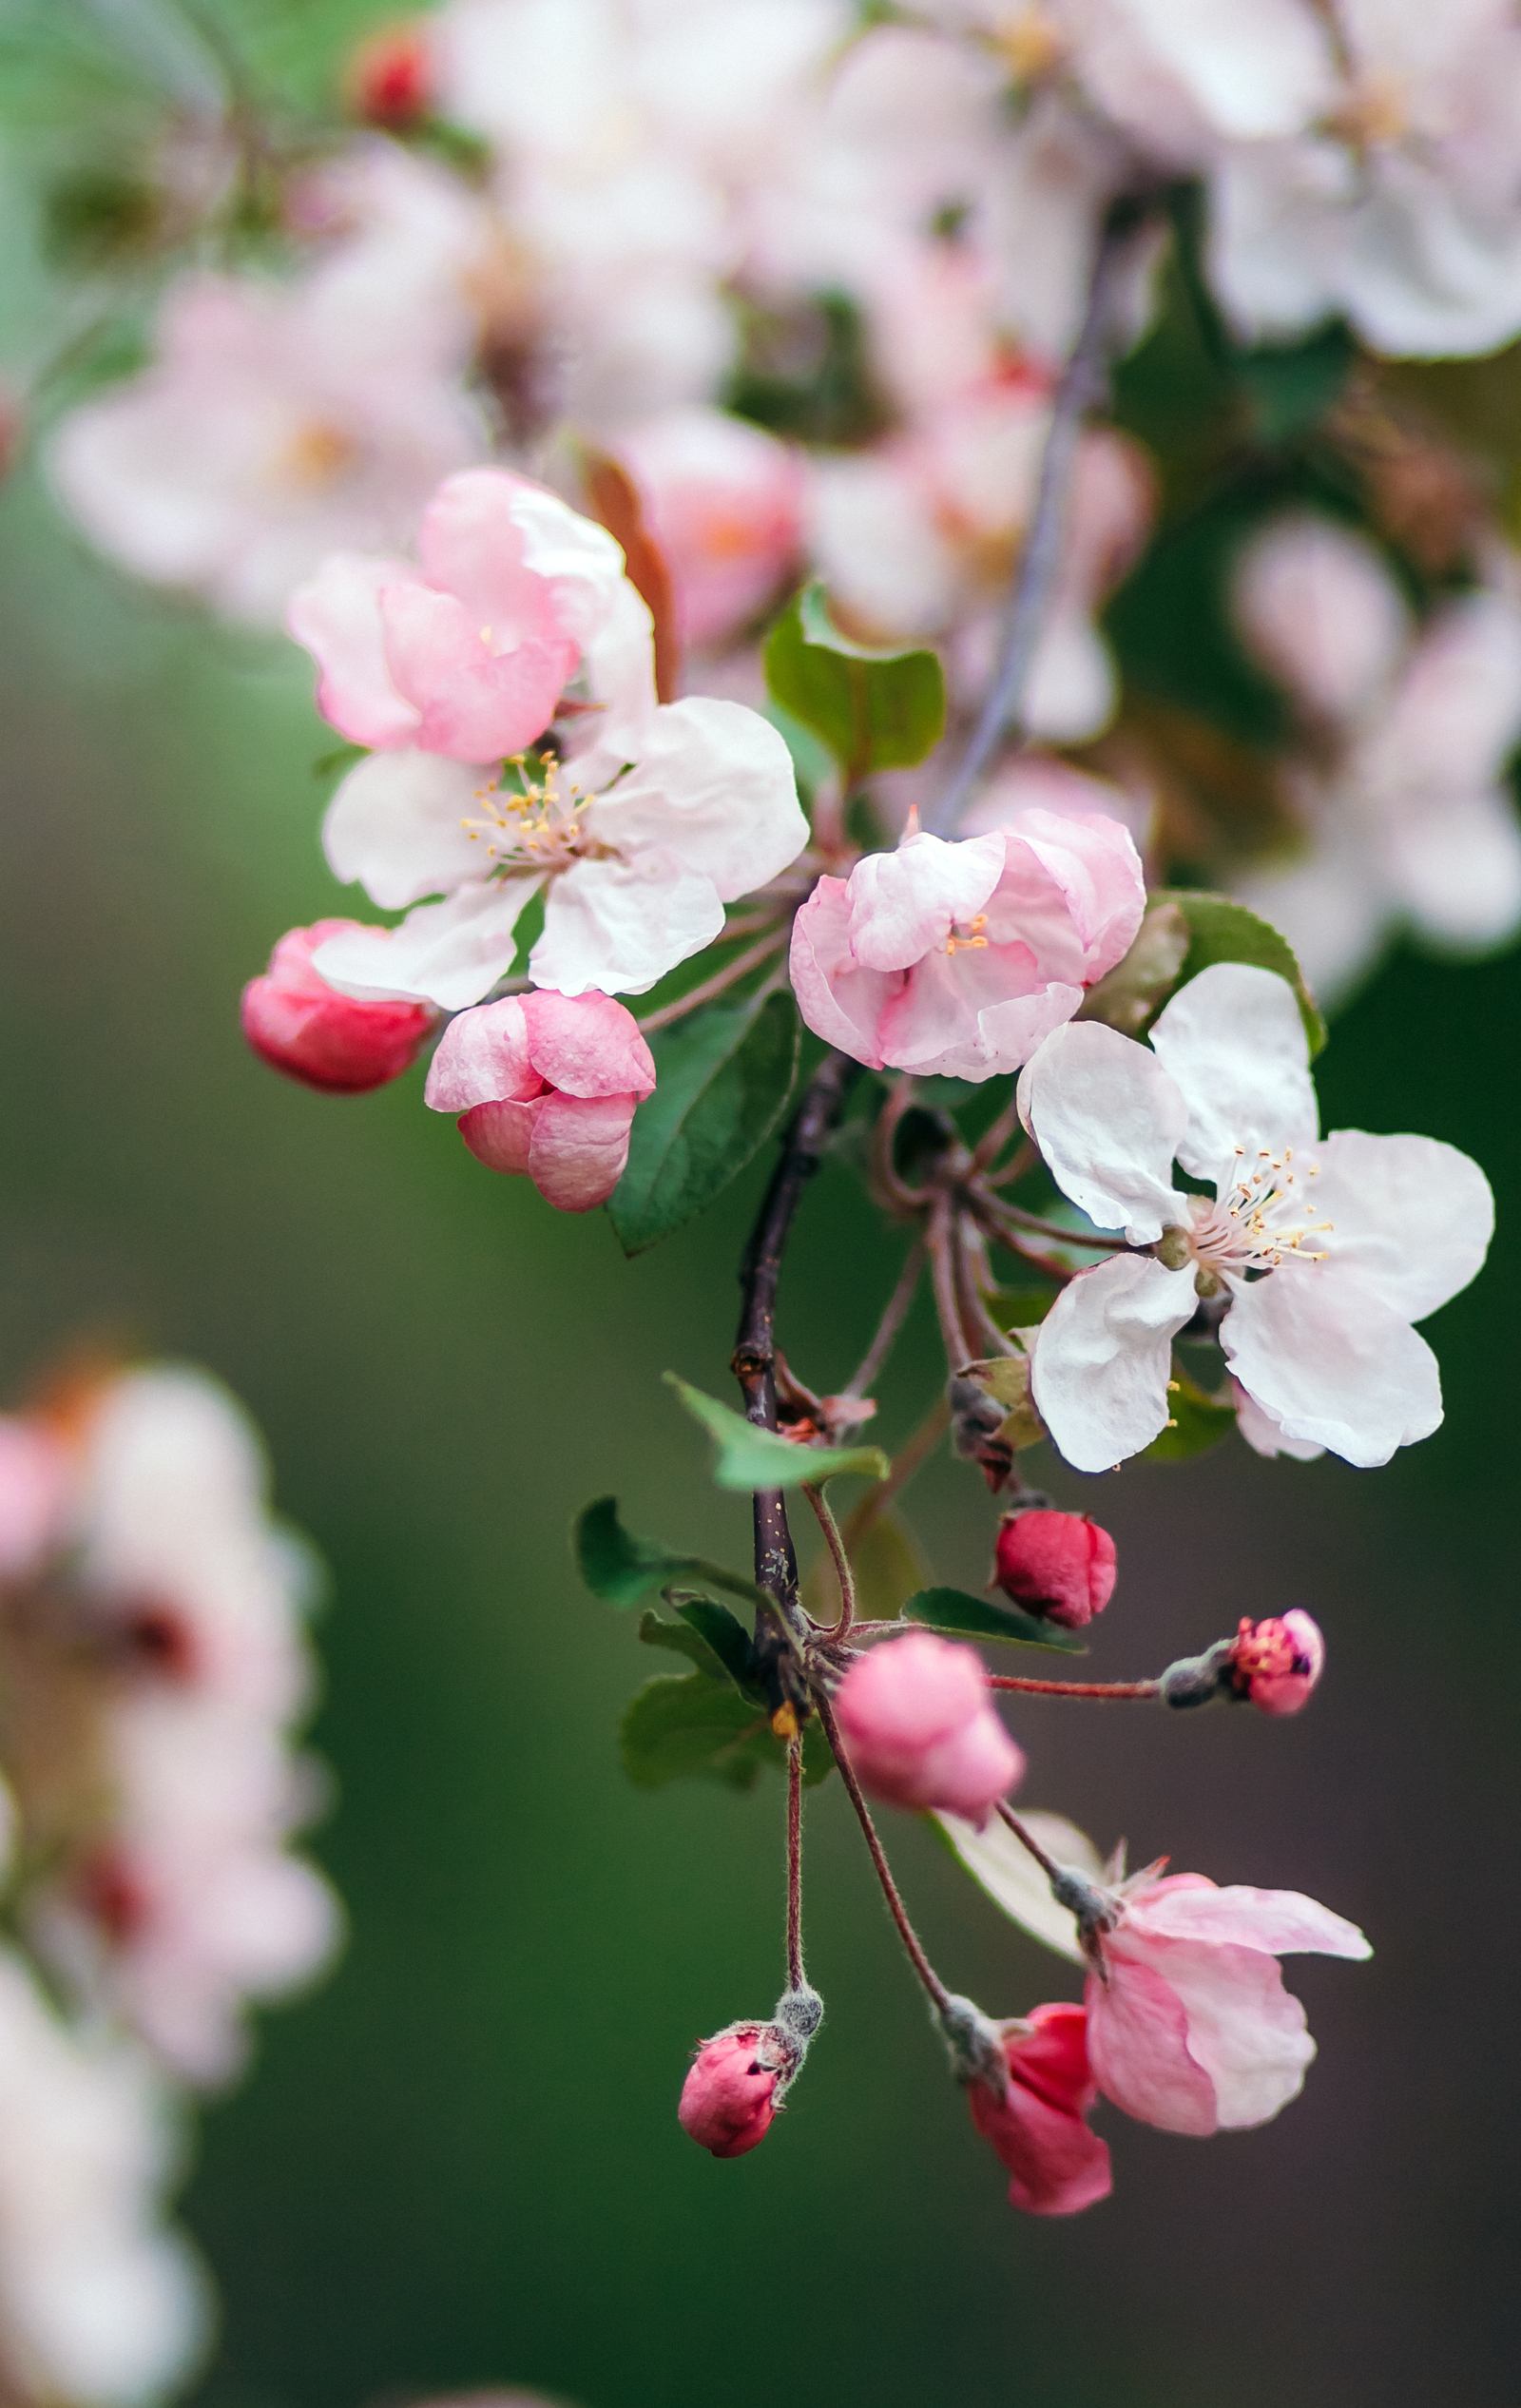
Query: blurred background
point(458, 2163)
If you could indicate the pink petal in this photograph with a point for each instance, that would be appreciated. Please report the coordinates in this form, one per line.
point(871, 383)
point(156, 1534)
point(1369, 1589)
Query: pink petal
point(904, 903)
point(483, 1057)
point(588, 1045)
point(337, 616)
point(1282, 1922)
point(1245, 2032)
point(579, 1148)
point(1073, 888)
point(474, 704)
point(1138, 2047)
point(501, 1135)
point(842, 1003)
point(1057, 2164)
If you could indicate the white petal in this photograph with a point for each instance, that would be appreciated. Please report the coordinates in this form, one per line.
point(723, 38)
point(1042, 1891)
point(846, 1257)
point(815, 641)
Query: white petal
point(396, 825)
point(1104, 1357)
point(904, 903)
point(1264, 1435)
point(1332, 1362)
point(1454, 721)
point(1411, 1216)
point(1109, 1119)
point(618, 926)
point(1455, 864)
point(1316, 603)
point(1013, 1880)
point(450, 953)
point(1234, 1041)
point(715, 781)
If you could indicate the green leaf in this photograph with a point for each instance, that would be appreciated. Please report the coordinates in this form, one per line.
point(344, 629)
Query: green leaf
point(1198, 1421)
point(624, 1570)
point(682, 1639)
point(724, 1076)
point(1126, 996)
point(1019, 1308)
point(1219, 930)
point(752, 1458)
point(979, 1618)
point(723, 1637)
point(1289, 387)
point(874, 709)
point(696, 1726)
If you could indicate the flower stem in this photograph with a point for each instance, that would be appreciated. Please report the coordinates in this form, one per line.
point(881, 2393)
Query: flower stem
point(941, 1240)
point(728, 976)
point(842, 1570)
point(1028, 1840)
point(906, 1934)
point(1076, 1688)
point(1040, 560)
point(894, 1313)
point(795, 1971)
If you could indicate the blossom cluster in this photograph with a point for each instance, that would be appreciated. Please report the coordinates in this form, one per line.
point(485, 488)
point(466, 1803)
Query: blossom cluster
point(154, 1664)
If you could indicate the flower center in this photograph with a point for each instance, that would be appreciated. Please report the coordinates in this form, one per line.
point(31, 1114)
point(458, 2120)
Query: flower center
point(534, 828)
point(1029, 44)
point(317, 454)
point(1375, 114)
point(966, 936)
point(1255, 1225)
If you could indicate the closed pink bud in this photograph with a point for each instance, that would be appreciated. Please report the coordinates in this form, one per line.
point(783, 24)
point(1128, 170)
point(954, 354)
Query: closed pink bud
point(1277, 1662)
point(342, 1045)
point(545, 1085)
point(729, 2099)
point(1039, 2126)
point(390, 77)
point(918, 1719)
point(1059, 1565)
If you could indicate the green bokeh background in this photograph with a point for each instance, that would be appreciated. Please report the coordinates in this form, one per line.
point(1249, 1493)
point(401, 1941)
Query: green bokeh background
point(457, 2163)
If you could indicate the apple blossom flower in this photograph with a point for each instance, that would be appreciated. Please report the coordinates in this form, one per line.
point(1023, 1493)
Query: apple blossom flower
point(1403, 797)
point(728, 2102)
point(1038, 2127)
point(723, 501)
point(1275, 1664)
point(340, 1043)
point(168, 1895)
point(959, 957)
point(389, 79)
point(1326, 1251)
point(1061, 1566)
point(545, 1085)
point(101, 2302)
point(35, 1490)
point(918, 1719)
point(278, 423)
point(1189, 2026)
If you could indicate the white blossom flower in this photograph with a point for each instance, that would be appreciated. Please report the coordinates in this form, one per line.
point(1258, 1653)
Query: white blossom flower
point(1406, 811)
point(1327, 1249)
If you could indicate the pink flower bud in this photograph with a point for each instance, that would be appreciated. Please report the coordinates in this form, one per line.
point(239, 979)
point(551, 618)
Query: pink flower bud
point(545, 1085)
point(1059, 1565)
point(1277, 1662)
point(342, 1045)
point(729, 2099)
point(1039, 2126)
point(919, 1720)
point(390, 77)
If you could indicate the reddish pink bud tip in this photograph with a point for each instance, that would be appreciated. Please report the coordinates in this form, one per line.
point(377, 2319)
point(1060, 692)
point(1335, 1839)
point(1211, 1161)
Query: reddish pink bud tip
point(1277, 1662)
point(342, 1045)
point(918, 1718)
point(728, 2098)
point(389, 79)
point(1059, 1565)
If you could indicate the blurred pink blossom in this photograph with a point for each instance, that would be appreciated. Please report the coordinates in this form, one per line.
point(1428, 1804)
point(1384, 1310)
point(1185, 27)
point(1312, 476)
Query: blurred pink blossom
point(545, 1085)
point(918, 1719)
point(724, 502)
point(1275, 1664)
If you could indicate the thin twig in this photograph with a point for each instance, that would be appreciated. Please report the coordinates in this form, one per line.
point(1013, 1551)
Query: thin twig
point(996, 1137)
point(1028, 1840)
point(1039, 1228)
point(970, 1258)
point(1074, 1689)
point(894, 1313)
point(1082, 385)
point(842, 1561)
point(893, 1193)
point(727, 977)
point(795, 1973)
point(1020, 1164)
point(890, 1890)
point(941, 1242)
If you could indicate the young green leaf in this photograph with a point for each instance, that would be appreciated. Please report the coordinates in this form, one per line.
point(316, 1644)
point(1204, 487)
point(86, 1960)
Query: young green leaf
point(681, 1640)
point(1198, 1421)
point(1219, 930)
point(979, 1618)
point(724, 1076)
point(695, 1724)
point(873, 710)
point(622, 1570)
point(752, 1458)
point(1019, 1308)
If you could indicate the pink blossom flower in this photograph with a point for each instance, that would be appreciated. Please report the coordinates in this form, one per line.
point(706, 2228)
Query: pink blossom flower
point(34, 1493)
point(1327, 1251)
point(1189, 2026)
point(918, 1719)
point(1277, 1662)
point(278, 423)
point(469, 656)
point(339, 1044)
point(1056, 2164)
point(1059, 1565)
point(729, 2099)
point(725, 503)
point(959, 958)
point(545, 1085)
point(389, 80)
